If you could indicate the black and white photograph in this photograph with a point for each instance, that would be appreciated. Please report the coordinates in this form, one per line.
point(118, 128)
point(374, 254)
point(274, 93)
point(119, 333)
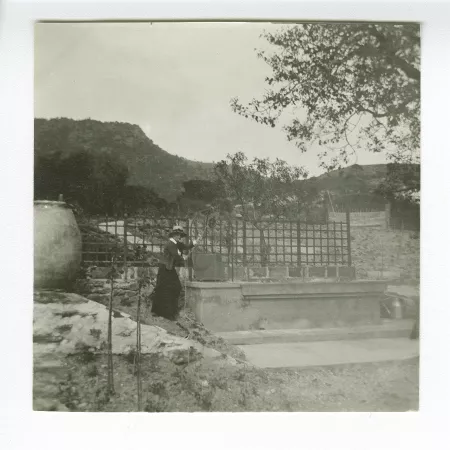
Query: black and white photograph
point(226, 216)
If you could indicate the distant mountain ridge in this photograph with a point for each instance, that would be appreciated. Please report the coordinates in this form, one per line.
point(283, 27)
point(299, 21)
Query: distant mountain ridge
point(151, 166)
point(148, 164)
point(369, 175)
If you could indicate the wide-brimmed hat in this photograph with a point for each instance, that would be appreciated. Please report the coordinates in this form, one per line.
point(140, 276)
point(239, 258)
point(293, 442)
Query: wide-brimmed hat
point(177, 229)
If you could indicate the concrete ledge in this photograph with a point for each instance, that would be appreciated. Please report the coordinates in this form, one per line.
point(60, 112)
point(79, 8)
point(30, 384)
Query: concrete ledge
point(386, 330)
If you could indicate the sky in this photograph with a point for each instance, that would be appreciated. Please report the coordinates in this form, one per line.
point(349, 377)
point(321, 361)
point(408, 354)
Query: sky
point(174, 80)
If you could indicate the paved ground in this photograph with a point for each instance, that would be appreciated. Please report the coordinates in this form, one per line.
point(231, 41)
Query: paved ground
point(386, 329)
point(329, 353)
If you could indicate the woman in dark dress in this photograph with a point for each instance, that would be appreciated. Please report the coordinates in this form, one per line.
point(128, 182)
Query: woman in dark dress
point(168, 285)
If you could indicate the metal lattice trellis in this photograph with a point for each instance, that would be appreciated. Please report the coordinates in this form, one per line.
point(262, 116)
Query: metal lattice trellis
point(282, 242)
point(135, 240)
point(131, 240)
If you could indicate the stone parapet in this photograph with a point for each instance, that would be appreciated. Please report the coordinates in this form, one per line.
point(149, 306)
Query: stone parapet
point(285, 305)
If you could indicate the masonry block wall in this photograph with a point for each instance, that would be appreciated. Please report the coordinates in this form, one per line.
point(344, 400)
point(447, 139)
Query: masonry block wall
point(385, 254)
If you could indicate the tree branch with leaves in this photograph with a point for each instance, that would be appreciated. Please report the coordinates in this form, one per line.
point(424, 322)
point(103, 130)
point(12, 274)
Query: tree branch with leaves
point(260, 187)
point(349, 87)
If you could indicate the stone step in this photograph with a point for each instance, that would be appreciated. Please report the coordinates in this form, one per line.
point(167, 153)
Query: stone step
point(387, 329)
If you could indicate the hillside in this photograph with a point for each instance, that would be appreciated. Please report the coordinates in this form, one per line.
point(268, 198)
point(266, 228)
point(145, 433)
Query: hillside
point(152, 167)
point(148, 164)
point(372, 175)
point(358, 184)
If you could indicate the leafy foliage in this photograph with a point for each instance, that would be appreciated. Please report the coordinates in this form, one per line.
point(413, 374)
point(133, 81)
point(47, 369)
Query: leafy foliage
point(139, 199)
point(402, 183)
point(88, 159)
point(306, 201)
point(203, 195)
point(93, 182)
point(358, 86)
point(358, 186)
point(260, 187)
point(205, 190)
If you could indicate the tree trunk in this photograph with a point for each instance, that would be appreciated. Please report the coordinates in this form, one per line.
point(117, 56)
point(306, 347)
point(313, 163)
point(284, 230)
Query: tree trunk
point(263, 247)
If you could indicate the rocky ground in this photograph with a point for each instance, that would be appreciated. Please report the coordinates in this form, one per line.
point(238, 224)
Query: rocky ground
point(186, 326)
point(186, 368)
point(205, 386)
point(68, 327)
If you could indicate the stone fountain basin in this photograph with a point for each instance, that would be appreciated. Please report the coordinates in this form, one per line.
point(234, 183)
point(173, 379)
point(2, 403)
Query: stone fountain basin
point(225, 306)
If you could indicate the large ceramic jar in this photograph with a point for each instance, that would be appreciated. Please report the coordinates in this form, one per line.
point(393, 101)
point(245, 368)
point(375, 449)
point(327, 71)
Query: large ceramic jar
point(57, 245)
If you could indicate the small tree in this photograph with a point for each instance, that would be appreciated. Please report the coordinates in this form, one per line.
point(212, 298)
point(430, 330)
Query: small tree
point(307, 201)
point(261, 189)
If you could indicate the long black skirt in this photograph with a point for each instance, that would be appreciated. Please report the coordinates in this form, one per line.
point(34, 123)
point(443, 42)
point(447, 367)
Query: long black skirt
point(166, 293)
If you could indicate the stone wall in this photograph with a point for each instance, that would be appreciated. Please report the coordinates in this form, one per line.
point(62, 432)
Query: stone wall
point(131, 273)
point(97, 288)
point(386, 254)
point(125, 293)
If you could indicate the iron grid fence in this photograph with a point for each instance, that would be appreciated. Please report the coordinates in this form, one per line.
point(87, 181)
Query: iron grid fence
point(130, 240)
point(276, 243)
point(140, 240)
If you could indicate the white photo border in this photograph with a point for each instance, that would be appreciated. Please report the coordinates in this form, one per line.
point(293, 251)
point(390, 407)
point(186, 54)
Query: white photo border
point(23, 429)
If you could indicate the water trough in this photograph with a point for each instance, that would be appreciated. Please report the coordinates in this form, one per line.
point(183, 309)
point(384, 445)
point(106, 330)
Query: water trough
point(293, 304)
